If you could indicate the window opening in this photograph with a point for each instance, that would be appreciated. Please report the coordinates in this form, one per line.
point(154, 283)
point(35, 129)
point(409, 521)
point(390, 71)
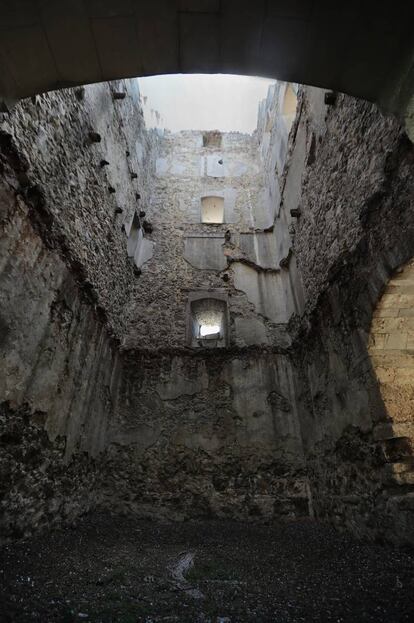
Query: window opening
point(212, 139)
point(290, 101)
point(212, 210)
point(208, 322)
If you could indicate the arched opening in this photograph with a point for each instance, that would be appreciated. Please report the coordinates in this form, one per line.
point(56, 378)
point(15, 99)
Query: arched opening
point(208, 322)
point(104, 41)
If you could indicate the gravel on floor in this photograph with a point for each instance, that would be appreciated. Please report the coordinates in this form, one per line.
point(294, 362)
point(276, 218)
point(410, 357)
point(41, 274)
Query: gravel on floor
point(120, 569)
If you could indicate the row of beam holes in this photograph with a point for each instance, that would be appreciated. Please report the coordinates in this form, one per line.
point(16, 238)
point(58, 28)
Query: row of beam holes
point(136, 225)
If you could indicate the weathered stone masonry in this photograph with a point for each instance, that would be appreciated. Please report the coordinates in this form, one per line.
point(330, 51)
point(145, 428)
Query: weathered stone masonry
point(356, 188)
point(108, 400)
point(206, 435)
point(141, 413)
point(58, 369)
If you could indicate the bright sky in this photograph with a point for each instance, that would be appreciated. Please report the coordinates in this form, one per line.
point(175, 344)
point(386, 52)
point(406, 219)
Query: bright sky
point(203, 101)
point(209, 329)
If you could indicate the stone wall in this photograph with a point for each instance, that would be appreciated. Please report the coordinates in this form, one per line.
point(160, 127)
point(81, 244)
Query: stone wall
point(189, 255)
point(89, 162)
point(58, 368)
point(108, 400)
point(206, 434)
point(160, 429)
point(202, 432)
point(76, 166)
point(349, 173)
point(391, 347)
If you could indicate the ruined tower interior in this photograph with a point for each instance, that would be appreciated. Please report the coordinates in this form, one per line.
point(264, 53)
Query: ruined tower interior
point(206, 341)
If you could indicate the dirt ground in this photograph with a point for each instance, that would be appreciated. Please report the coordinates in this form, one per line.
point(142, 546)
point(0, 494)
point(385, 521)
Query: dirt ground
point(117, 569)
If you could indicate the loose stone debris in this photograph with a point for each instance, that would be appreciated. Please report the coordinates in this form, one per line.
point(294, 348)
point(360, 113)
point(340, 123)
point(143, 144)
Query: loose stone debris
point(123, 570)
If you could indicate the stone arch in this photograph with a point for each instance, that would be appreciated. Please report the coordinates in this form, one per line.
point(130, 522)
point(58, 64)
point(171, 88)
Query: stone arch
point(65, 46)
point(391, 350)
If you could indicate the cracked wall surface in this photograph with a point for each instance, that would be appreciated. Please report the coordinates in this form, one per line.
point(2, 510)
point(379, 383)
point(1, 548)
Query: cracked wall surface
point(89, 161)
point(103, 401)
point(206, 436)
point(67, 390)
point(353, 231)
point(58, 372)
point(237, 255)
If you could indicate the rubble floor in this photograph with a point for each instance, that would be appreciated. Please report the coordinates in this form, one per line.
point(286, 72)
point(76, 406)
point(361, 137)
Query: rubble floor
point(120, 569)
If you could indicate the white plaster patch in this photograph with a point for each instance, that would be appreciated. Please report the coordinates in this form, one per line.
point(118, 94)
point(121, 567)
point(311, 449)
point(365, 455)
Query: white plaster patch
point(144, 252)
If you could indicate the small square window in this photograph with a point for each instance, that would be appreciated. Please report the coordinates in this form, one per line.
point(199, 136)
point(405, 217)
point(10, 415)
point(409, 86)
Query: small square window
point(212, 139)
point(212, 210)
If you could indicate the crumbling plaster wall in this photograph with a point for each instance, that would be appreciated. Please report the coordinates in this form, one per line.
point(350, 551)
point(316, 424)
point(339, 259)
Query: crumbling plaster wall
point(237, 255)
point(292, 407)
point(58, 368)
point(90, 162)
point(190, 255)
point(65, 278)
point(349, 178)
point(206, 434)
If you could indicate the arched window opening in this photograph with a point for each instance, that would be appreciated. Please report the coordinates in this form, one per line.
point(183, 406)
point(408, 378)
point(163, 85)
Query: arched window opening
point(212, 210)
point(290, 101)
point(208, 322)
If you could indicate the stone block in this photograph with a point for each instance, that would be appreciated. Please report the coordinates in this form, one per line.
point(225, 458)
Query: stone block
point(395, 341)
point(385, 375)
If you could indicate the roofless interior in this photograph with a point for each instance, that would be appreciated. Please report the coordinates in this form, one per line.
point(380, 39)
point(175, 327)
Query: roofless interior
point(206, 304)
